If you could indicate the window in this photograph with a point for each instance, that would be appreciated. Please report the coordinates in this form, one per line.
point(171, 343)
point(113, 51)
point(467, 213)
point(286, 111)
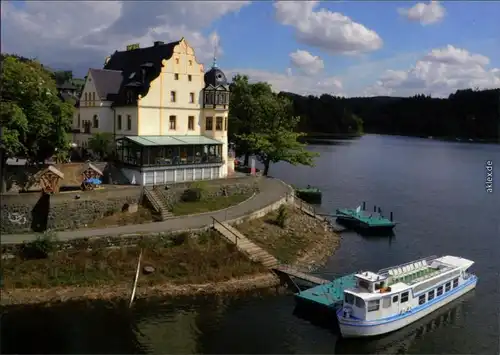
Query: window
point(191, 97)
point(172, 96)
point(209, 124)
point(447, 287)
point(176, 76)
point(129, 97)
point(455, 283)
point(218, 123)
point(191, 123)
point(79, 121)
point(190, 78)
point(348, 298)
point(359, 302)
point(93, 96)
point(86, 97)
point(364, 284)
point(404, 297)
point(129, 123)
point(225, 124)
point(95, 122)
point(430, 295)
point(373, 305)
point(386, 302)
point(395, 299)
point(421, 299)
point(176, 60)
point(172, 122)
point(439, 291)
point(119, 122)
point(190, 63)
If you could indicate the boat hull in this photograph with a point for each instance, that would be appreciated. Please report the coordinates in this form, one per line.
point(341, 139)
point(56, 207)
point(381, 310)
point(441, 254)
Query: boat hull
point(353, 329)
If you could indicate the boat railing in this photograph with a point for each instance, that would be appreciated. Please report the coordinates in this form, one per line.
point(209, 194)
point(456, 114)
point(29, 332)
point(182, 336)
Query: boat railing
point(428, 260)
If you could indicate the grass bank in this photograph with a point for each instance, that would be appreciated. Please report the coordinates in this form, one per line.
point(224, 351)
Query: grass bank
point(176, 259)
point(183, 208)
point(301, 240)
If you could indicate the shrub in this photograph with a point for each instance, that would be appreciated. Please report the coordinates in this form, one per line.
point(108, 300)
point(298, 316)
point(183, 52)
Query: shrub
point(282, 216)
point(192, 195)
point(40, 248)
point(181, 238)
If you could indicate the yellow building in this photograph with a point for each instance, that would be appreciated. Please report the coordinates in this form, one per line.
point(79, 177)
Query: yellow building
point(168, 116)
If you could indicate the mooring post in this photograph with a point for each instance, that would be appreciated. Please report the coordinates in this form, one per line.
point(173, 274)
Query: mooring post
point(391, 216)
point(374, 208)
point(364, 206)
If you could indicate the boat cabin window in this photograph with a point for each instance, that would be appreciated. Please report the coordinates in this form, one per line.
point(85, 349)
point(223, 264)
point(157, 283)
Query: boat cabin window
point(373, 305)
point(364, 284)
point(430, 295)
point(379, 285)
point(386, 302)
point(439, 291)
point(421, 299)
point(359, 302)
point(404, 297)
point(395, 299)
point(348, 298)
point(447, 287)
point(455, 283)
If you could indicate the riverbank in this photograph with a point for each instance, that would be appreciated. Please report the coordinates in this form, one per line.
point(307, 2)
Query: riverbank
point(103, 268)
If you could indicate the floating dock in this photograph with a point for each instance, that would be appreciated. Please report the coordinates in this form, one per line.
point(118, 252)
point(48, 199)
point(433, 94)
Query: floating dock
point(327, 295)
point(365, 220)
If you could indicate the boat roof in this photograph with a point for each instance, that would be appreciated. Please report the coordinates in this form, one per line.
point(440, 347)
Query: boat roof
point(456, 261)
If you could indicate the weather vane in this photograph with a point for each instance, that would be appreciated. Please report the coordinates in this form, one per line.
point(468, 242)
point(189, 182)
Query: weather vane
point(215, 43)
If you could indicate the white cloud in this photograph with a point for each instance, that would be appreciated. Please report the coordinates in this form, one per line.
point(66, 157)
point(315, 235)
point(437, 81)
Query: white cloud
point(331, 31)
point(439, 73)
point(80, 34)
point(300, 84)
point(426, 14)
point(306, 62)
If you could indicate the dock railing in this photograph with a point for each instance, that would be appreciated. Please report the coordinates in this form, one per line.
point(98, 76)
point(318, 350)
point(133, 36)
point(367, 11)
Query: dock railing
point(428, 260)
point(216, 222)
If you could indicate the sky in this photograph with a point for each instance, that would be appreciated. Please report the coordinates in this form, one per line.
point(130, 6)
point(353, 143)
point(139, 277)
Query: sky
point(344, 48)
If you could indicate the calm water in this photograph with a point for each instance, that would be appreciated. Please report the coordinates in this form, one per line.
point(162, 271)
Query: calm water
point(435, 189)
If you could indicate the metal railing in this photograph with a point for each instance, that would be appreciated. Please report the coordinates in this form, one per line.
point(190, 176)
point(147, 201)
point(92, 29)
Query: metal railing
point(304, 206)
point(236, 237)
point(428, 260)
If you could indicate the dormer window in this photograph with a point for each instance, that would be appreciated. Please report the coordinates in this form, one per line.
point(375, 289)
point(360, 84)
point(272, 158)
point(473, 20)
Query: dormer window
point(129, 97)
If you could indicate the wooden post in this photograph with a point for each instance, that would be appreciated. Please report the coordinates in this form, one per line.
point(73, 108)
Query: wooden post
point(136, 279)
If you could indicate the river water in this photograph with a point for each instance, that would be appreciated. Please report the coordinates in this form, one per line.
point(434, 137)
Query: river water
point(437, 193)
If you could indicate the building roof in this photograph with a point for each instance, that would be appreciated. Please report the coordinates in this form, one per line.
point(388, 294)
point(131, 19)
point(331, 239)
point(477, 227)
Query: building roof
point(172, 140)
point(139, 67)
point(106, 81)
point(215, 77)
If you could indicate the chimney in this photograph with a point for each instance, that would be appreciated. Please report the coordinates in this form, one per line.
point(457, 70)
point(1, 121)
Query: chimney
point(158, 43)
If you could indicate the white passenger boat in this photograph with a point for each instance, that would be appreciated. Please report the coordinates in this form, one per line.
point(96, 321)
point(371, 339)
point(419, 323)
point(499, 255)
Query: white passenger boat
point(395, 297)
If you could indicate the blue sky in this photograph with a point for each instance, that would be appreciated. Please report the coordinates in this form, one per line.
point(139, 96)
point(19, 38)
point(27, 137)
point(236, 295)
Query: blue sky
point(344, 48)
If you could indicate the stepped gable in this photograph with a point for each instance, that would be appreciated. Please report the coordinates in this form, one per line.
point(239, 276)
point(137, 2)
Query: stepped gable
point(138, 67)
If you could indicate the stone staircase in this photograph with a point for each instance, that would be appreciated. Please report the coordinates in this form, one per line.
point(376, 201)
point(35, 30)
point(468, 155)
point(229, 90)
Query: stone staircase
point(245, 245)
point(158, 202)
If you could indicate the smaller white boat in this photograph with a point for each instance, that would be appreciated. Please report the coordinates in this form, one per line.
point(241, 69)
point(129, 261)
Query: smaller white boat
point(395, 297)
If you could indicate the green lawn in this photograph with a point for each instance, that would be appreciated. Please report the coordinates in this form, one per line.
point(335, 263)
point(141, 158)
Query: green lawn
point(208, 205)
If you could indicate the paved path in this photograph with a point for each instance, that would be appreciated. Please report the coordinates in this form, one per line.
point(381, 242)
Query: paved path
point(271, 190)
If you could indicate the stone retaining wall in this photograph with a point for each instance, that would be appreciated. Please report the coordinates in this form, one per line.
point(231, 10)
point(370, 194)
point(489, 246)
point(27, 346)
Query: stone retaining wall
point(213, 188)
point(34, 212)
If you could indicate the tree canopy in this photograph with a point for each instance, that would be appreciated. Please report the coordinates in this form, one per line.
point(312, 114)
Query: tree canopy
point(264, 125)
point(34, 120)
point(102, 144)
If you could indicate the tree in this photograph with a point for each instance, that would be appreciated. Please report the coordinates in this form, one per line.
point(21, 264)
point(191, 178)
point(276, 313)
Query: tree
point(243, 109)
point(101, 144)
point(274, 138)
point(35, 121)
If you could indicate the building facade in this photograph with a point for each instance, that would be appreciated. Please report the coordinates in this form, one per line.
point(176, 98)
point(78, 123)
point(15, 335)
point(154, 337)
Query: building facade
point(168, 116)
